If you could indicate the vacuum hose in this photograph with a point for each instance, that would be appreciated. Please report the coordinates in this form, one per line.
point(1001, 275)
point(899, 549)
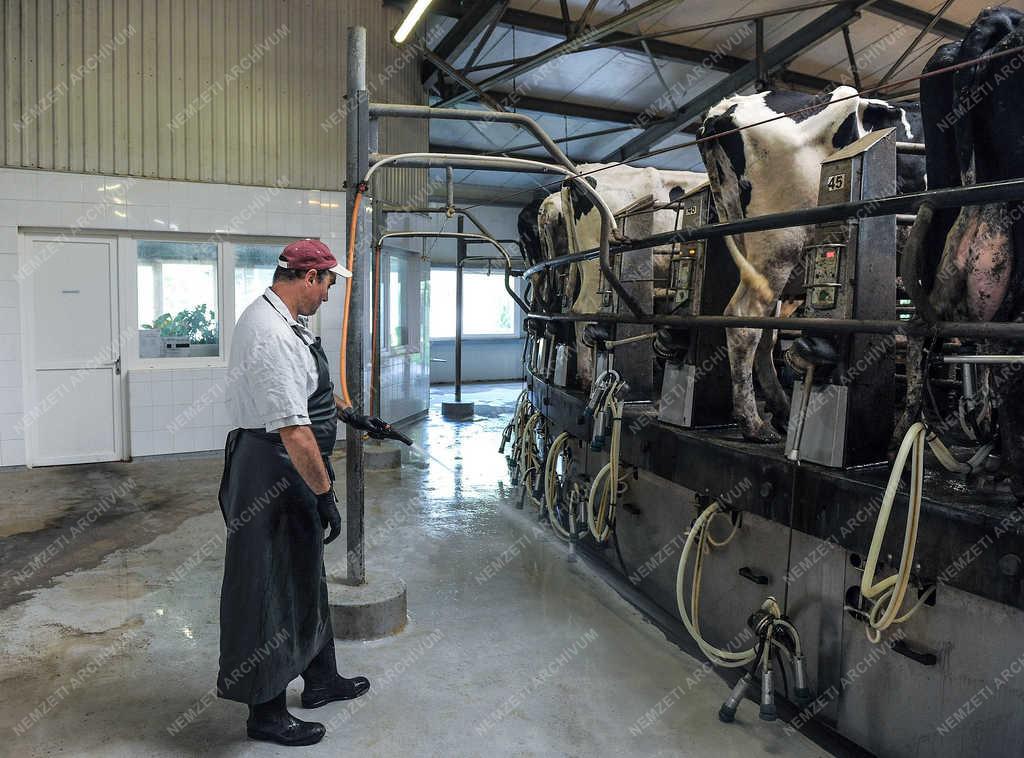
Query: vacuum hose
point(551, 484)
point(350, 265)
point(699, 534)
point(888, 594)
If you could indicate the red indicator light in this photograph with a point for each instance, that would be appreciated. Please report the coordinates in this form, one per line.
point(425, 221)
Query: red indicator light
point(830, 253)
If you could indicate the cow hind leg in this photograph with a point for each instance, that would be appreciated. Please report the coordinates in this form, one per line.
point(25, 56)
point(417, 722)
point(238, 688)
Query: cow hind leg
point(742, 345)
point(584, 359)
point(915, 385)
point(1011, 426)
point(768, 378)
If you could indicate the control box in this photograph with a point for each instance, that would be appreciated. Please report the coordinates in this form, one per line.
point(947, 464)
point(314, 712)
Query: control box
point(702, 277)
point(850, 273)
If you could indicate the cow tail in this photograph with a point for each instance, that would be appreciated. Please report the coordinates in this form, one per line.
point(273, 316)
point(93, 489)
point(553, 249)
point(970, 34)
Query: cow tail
point(910, 265)
point(749, 276)
point(729, 209)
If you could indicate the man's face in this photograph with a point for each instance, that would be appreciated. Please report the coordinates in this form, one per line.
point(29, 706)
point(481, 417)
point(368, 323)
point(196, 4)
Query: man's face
point(315, 291)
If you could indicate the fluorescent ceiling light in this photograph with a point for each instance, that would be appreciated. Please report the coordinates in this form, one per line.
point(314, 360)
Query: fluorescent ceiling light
point(415, 13)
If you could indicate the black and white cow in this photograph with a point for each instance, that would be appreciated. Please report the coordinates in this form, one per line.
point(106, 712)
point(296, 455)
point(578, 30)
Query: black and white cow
point(619, 186)
point(968, 263)
point(542, 294)
point(772, 167)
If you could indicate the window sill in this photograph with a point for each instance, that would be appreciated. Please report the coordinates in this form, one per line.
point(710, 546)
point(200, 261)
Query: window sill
point(480, 338)
point(395, 352)
point(156, 364)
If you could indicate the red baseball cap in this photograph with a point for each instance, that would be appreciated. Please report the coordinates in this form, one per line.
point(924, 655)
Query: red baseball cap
point(309, 254)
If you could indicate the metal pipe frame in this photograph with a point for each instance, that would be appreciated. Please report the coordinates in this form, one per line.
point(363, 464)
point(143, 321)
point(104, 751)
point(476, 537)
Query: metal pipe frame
point(452, 210)
point(983, 359)
point(466, 236)
point(497, 163)
point(975, 330)
point(979, 194)
point(394, 110)
point(357, 143)
point(459, 256)
point(567, 168)
point(952, 197)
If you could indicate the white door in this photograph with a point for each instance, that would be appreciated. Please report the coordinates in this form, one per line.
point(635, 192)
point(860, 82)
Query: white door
point(73, 354)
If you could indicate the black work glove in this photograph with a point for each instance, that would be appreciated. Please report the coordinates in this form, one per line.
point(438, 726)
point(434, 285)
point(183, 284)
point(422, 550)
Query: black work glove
point(327, 508)
point(373, 426)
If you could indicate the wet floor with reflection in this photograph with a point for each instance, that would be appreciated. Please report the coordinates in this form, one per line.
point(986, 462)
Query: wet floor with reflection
point(110, 638)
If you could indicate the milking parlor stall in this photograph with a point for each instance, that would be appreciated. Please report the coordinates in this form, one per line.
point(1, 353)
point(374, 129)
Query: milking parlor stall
point(456, 377)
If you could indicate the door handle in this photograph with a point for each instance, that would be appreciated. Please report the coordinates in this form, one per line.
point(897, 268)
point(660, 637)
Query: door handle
point(747, 573)
point(925, 659)
point(117, 366)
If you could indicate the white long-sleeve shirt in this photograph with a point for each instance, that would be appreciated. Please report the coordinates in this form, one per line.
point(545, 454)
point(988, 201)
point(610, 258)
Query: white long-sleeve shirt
point(271, 372)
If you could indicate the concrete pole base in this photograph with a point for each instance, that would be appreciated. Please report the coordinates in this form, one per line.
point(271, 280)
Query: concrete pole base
point(368, 611)
point(457, 411)
point(381, 455)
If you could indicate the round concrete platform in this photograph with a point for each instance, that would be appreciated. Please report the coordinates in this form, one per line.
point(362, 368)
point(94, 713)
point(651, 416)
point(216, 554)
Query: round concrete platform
point(457, 411)
point(368, 611)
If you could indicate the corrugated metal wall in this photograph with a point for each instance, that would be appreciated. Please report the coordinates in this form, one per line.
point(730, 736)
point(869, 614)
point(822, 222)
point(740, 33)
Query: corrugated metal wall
point(232, 91)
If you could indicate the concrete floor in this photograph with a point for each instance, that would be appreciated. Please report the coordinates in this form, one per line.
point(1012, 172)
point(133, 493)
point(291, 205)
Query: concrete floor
point(110, 638)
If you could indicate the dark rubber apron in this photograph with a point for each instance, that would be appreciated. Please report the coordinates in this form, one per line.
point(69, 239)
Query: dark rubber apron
point(274, 615)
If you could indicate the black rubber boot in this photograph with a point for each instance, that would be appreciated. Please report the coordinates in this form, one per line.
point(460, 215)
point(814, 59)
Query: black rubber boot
point(271, 722)
point(325, 685)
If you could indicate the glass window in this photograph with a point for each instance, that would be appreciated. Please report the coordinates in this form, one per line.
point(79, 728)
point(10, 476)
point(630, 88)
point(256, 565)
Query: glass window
point(487, 310)
point(254, 272)
point(178, 303)
point(397, 334)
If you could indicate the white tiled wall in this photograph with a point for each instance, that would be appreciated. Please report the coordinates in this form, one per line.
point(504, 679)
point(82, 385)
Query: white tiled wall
point(119, 205)
point(179, 411)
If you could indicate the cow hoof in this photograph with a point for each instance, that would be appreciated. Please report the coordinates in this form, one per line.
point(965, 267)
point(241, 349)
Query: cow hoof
point(780, 423)
point(762, 433)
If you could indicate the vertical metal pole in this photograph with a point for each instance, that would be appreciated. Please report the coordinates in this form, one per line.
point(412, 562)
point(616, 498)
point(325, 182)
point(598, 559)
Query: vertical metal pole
point(854, 68)
point(759, 53)
point(357, 160)
point(460, 256)
point(376, 285)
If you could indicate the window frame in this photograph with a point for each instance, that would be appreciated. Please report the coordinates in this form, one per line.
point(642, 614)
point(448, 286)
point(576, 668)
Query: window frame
point(413, 303)
point(517, 316)
point(129, 289)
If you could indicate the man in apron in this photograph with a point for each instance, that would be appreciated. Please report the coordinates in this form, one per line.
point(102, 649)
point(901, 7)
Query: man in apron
point(277, 498)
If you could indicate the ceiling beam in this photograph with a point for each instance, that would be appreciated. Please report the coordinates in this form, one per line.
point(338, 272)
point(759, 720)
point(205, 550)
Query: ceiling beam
point(477, 16)
point(918, 19)
point(467, 193)
point(574, 110)
point(778, 55)
point(599, 32)
point(667, 51)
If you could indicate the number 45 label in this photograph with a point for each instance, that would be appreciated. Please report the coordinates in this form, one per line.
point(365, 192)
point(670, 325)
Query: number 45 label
point(835, 182)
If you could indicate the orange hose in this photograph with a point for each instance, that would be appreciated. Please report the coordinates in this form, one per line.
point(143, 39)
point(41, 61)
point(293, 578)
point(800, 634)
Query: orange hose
point(374, 345)
point(348, 298)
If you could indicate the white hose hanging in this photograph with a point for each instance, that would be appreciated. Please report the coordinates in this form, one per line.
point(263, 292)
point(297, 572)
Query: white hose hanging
point(551, 483)
point(529, 462)
point(888, 594)
point(717, 656)
point(604, 491)
point(949, 462)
